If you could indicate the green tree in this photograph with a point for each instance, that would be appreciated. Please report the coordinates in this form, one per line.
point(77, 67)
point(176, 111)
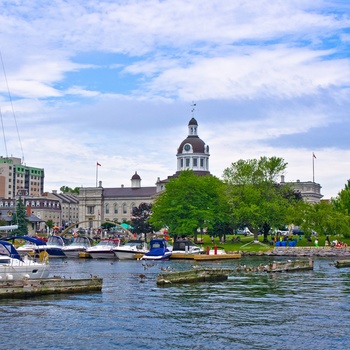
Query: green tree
point(20, 218)
point(342, 201)
point(66, 189)
point(189, 203)
point(256, 200)
point(140, 219)
point(324, 218)
point(49, 224)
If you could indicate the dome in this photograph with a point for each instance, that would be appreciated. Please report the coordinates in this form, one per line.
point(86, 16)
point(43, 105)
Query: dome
point(136, 176)
point(193, 122)
point(198, 145)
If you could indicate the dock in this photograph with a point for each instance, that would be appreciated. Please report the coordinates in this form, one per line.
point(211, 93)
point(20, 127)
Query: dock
point(192, 276)
point(12, 289)
point(342, 263)
point(205, 257)
point(290, 265)
point(200, 274)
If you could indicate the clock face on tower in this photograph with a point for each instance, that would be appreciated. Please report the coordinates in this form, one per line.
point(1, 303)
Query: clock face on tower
point(187, 147)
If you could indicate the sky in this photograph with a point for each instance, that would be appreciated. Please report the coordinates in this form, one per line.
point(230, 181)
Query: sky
point(114, 82)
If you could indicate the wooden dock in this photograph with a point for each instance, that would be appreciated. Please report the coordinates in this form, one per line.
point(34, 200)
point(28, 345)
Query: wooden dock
point(205, 257)
point(290, 265)
point(192, 276)
point(200, 274)
point(342, 263)
point(54, 285)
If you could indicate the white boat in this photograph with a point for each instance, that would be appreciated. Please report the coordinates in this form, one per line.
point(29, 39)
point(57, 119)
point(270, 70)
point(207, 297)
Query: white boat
point(184, 246)
point(103, 249)
point(54, 246)
point(14, 267)
point(31, 246)
point(128, 250)
point(79, 245)
point(159, 250)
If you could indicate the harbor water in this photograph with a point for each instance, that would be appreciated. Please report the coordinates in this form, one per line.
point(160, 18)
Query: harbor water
point(296, 310)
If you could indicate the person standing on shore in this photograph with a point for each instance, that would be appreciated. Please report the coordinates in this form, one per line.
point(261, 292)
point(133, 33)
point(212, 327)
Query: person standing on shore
point(327, 242)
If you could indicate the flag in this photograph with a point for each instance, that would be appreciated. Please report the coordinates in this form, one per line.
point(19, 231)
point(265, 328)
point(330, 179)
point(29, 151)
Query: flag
point(98, 164)
point(314, 155)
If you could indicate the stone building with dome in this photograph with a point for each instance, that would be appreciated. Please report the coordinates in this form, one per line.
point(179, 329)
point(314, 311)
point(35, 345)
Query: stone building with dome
point(192, 154)
point(99, 204)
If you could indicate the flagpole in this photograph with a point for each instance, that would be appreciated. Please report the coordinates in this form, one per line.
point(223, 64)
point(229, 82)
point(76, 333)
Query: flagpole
point(313, 167)
point(96, 173)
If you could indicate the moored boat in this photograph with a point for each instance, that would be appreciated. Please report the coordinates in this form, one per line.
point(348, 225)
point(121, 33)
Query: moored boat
point(103, 249)
point(186, 247)
point(14, 267)
point(159, 250)
point(54, 246)
point(79, 245)
point(131, 249)
point(31, 245)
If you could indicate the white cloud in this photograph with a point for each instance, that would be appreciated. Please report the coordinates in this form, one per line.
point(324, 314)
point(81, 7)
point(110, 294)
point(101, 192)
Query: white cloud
point(260, 72)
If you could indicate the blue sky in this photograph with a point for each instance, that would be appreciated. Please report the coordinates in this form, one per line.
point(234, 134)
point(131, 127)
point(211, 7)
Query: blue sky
point(113, 82)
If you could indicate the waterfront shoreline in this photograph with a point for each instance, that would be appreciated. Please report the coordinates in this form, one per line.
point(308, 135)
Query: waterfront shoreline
point(302, 252)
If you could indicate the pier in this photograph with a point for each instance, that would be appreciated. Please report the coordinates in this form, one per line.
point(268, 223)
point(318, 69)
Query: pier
point(55, 285)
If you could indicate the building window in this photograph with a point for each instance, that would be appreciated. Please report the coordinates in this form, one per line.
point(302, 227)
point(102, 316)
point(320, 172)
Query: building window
point(202, 162)
point(124, 208)
point(90, 209)
point(107, 208)
point(195, 162)
point(187, 162)
point(115, 208)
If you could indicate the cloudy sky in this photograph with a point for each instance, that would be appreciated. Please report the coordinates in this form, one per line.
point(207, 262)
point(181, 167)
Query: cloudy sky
point(113, 82)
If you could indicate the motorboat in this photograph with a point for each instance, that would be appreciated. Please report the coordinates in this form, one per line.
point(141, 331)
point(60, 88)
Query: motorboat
point(79, 245)
point(159, 250)
point(54, 246)
point(185, 246)
point(130, 249)
point(15, 267)
point(103, 249)
point(31, 245)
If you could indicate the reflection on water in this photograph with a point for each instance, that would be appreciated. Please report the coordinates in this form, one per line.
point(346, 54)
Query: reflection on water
point(300, 310)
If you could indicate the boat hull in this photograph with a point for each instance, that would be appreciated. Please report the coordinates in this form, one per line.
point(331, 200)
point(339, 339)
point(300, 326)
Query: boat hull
point(128, 254)
point(73, 253)
point(165, 256)
point(19, 270)
point(102, 254)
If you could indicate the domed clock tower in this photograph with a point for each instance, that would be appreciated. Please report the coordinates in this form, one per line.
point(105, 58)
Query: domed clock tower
point(193, 153)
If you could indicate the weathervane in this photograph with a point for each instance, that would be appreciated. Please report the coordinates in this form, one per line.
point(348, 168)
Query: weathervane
point(193, 105)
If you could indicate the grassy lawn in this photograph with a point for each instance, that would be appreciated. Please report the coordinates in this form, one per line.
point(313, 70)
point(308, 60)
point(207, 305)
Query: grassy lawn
point(245, 243)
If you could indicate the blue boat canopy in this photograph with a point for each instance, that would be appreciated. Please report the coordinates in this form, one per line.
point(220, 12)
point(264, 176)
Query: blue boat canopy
point(8, 249)
point(27, 238)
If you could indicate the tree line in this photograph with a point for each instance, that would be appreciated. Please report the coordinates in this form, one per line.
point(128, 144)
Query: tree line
point(248, 195)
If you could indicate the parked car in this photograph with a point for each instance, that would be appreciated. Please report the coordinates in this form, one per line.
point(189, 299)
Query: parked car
point(245, 232)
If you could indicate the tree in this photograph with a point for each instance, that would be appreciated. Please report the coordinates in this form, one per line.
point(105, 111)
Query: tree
point(20, 218)
point(140, 219)
point(324, 218)
point(256, 200)
point(66, 189)
point(342, 201)
point(49, 224)
point(189, 203)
